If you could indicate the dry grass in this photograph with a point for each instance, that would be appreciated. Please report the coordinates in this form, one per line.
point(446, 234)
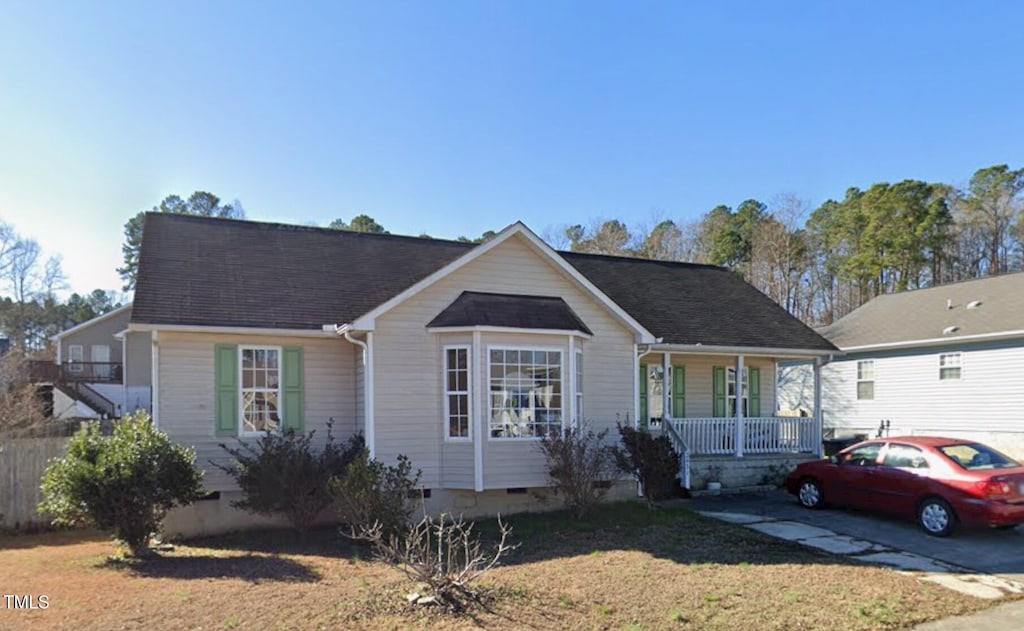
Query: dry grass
point(628, 568)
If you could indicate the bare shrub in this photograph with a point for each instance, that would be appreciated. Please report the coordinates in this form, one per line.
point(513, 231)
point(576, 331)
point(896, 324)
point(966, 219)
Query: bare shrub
point(20, 405)
point(579, 464)
point(442, 553)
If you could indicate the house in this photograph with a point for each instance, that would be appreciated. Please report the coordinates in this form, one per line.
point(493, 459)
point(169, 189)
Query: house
point(92, 376)
point(946, 360)
point(457, 355)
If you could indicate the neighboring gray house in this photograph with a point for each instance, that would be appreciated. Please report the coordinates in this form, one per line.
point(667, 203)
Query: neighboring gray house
point(458, 355)
point(947, 360)
point(94, 376)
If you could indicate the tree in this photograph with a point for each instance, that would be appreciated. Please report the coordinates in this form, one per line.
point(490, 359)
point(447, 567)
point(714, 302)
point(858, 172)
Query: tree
point(124, 483)
point(359, 223)
point(199, 203)
point(993, 205)
point(608, 237)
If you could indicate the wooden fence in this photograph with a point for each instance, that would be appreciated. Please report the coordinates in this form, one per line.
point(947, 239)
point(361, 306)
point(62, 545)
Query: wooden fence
point(22, 463)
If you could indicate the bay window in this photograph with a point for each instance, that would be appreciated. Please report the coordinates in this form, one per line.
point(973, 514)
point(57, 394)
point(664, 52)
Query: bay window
point(525, 392)
point(457, 391)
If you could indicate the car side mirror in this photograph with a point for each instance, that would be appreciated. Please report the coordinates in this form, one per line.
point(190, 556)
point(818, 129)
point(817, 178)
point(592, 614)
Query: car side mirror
point(834, 459)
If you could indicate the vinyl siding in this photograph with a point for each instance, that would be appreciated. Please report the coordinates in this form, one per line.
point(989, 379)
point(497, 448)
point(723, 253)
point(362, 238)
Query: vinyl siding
point(138, 369)
point(408, 363)
point(910, 395)
point(99, 333)
point(187, 393)
point(700, 392)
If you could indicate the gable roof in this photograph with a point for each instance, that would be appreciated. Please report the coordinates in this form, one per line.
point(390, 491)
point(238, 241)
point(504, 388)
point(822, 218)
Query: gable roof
point(925, 316)
point(103, 317)
point(230, 273)
point(474, 308)
point(689, 303)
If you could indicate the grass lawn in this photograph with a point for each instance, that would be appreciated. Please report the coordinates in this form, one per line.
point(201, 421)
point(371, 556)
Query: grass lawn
point(628, 568)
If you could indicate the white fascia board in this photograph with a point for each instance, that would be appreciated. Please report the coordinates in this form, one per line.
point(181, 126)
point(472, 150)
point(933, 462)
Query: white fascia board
point(367, 322)
point(749, 351)
point(937, 341)
point(88, 323)
point(231, 330)
point(507, 329)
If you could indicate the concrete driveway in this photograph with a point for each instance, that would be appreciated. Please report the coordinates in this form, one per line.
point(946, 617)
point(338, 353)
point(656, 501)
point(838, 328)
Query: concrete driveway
point(999, 553)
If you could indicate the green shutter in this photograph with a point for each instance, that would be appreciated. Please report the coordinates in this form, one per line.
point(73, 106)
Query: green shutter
point(678, 391)
point(226, 374)
point(292, 390)
point(643, 396)
point(719, 390)
point(755, 392)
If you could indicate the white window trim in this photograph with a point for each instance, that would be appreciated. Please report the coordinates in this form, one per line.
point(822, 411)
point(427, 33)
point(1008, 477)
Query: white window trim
point(487, 378)
point(280, 393)
point(959, 365)
point(578, 389)
point(469, 392)
point(858, 380)
point(75, 365)
point(742, 394)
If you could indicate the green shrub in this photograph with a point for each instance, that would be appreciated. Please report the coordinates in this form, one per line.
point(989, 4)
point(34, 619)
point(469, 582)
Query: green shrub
point(577, 464)
point(652, 459)
point(283, 475)
point(124, 483)
point(371, 493)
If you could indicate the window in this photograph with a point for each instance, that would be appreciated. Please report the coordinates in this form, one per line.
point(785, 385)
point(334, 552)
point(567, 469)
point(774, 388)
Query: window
point(261, 389)
point(525, 392)
point(863, 456)
point(456, 391)
point(904, 457)
point(578, 421)
point(949, 366)
point(975, 456)
point(866, 380)
point(731, 390)
point(76, 355)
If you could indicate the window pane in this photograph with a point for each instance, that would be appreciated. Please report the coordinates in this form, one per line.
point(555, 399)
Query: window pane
point(866, 390)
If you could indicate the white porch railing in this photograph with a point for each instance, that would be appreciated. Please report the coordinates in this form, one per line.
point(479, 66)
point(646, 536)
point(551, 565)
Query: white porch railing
point(761, 435)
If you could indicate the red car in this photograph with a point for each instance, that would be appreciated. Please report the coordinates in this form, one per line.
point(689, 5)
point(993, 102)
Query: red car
point(940, 482)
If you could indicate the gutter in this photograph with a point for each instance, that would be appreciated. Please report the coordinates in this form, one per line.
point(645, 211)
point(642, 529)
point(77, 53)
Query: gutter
point(754, 351)
point(345, 331)
point(937, 341)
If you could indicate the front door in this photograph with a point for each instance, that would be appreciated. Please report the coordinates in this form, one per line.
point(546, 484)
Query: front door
point(100, 361)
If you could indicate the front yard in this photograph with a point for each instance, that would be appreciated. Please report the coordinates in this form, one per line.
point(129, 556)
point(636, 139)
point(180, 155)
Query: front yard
point(628, 568)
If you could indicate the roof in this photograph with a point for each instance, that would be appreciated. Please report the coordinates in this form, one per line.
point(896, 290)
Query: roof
point(474, 308)
point(204, 271)
point(93, 321)
point(983, 307)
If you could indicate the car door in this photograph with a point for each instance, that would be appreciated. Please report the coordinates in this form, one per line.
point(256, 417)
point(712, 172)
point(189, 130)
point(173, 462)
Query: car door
point(853, 466)
point(894, 486)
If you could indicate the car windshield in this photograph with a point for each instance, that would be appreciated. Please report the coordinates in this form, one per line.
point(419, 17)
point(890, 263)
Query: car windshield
point(975, 457)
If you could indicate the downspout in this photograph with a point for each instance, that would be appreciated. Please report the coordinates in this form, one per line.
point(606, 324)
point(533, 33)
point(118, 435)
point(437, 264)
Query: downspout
point(342, 330)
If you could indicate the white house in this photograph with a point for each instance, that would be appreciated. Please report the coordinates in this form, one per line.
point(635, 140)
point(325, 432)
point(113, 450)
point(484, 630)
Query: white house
point(947, 360)
point(457, 355)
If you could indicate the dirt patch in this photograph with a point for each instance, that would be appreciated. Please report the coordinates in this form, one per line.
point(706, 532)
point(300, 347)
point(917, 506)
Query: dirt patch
point(628, 568)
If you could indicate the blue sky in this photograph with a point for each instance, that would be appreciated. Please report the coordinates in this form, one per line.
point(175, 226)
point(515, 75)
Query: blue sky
point(453, 118)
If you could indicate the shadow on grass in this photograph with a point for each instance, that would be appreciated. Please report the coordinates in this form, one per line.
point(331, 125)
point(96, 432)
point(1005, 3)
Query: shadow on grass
point(323, 541)
point(24, 540)
point(253, 568)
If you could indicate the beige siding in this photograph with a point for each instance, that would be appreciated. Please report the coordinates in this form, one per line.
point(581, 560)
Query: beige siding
point(187, 393)
point(408, 364)
point(700, 393)
point(910, 395)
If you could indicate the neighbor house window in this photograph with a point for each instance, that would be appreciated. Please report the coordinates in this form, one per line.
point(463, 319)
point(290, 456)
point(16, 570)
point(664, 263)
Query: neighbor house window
point(456, 391)
point(949, 366)
point(578, 421)
point(525, 392)
point(866, 380)
point(261, 389)
point(76, 355)
point(731, 390)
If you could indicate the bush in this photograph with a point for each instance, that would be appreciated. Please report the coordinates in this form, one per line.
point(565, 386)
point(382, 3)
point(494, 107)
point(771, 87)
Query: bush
point(652, 459)
point(370, 494)
point(282, 474)
point(577, 462)
point(124, 483)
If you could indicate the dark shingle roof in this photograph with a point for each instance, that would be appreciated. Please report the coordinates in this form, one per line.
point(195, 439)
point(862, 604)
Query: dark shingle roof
point(687, 303)
point(924, 314)
point(474, 308)
point(225, 272)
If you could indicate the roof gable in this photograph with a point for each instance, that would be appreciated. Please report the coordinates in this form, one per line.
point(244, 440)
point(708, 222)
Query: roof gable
point(474, 308)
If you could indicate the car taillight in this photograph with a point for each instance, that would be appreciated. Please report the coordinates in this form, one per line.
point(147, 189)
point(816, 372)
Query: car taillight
point(995, 487)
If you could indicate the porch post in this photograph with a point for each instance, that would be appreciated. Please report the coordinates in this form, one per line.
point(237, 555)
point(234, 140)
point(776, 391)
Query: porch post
point(666, 388)
point(818, 417)
point(739, 406)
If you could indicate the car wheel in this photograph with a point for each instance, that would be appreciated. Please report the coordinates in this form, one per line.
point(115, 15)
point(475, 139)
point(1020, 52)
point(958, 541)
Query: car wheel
point(936, 517)
point(809, 494)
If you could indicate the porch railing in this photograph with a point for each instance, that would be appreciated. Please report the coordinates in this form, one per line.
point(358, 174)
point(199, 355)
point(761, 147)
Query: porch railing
point(761, 435)
point(91, 372)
